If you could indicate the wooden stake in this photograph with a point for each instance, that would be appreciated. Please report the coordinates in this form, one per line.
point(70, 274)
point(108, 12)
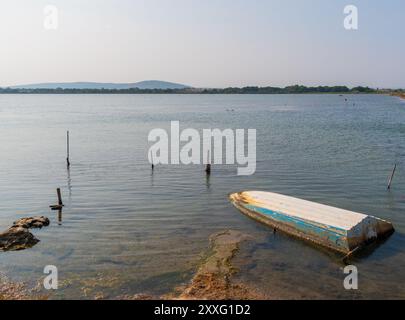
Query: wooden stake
point(60, 217)
point(208, 169)
point(151, 158)
point(392, 177)
point(59, 197)
point(68, 150)
point(59, 206)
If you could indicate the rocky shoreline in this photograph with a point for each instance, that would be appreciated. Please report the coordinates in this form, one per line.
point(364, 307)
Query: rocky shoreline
point(16, 291)
point(18, 236)
point(400, 94)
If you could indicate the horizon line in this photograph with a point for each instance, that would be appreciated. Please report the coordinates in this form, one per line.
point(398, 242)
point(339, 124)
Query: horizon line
point(190, 86)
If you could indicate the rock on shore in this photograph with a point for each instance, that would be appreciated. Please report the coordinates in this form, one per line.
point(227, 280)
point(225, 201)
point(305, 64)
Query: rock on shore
point(18, 237)
point(32, 222)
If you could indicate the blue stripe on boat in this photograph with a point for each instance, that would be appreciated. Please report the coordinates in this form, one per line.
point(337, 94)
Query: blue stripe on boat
point(334, 235)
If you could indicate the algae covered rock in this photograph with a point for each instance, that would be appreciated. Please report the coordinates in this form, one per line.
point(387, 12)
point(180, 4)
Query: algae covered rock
point(18, 237)
point(32, 222)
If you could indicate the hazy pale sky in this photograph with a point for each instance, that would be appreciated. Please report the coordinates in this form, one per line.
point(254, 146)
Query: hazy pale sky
point(209, 43)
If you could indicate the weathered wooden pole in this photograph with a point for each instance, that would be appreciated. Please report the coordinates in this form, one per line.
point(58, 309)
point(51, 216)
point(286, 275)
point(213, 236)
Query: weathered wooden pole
point(151, 159)
point(59, 206)
point(60, 217)
point(68, 150)
point(392, 177)
point(60, 202)
point(208, 168)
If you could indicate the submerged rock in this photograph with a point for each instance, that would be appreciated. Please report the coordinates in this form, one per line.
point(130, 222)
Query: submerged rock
point(32, 222)
point(18, 237)
point(213, 280)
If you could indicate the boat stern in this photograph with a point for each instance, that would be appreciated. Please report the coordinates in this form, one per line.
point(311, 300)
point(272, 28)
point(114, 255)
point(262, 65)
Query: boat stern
point(369, 230)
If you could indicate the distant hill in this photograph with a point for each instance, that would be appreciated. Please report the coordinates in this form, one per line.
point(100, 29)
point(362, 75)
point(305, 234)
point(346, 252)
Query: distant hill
point(151, 84)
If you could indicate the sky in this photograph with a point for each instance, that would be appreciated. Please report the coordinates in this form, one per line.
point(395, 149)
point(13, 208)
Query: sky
point(210, 43)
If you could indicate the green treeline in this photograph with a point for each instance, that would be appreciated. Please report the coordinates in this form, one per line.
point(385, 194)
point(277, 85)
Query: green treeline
point(290, 90)
point(297, 89)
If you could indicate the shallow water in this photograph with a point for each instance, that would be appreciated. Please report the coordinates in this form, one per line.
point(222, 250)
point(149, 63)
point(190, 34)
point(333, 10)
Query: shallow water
point(126, 231)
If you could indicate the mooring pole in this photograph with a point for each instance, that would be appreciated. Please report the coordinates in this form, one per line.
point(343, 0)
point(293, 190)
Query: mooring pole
point(392, 177)
point(208, 169)
point(60, 203)
point(59, 206)
point(151, 159)
point(68, 150)
point(60, 217)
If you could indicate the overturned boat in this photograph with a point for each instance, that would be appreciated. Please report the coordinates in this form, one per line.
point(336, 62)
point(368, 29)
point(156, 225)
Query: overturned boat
point(337, 229)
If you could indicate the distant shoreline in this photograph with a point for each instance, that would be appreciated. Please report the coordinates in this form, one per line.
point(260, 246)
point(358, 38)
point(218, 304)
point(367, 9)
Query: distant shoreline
point(399, 94)
point(297, 89)
point(178, 93)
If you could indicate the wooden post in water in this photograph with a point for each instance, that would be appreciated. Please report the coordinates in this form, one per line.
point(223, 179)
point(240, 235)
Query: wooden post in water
point(60, 217)
point(58, 206)
point(208, 169)
point(151, 159)
point(68, 150)
point(60, 203)
point(392, 177)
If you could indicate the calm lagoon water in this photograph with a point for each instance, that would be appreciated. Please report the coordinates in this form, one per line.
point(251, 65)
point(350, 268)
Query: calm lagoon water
point(126, 231)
